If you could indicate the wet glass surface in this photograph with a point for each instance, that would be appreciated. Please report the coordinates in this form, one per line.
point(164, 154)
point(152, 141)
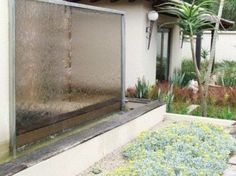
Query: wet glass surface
point(67, 59)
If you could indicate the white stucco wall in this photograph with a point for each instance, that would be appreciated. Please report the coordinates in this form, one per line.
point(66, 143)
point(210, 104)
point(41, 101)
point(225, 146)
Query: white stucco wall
point(175, 50)
point(139, 61)
point(4, 79)
point(225, 45)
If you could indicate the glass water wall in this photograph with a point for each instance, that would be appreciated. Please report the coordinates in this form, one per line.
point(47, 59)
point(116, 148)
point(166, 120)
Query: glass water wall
point(68, 67)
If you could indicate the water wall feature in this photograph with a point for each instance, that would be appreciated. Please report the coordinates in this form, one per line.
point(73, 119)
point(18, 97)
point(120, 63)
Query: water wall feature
point(68, 67)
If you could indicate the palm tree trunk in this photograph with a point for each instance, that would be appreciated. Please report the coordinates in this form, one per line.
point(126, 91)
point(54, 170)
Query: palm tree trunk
point(212, 55)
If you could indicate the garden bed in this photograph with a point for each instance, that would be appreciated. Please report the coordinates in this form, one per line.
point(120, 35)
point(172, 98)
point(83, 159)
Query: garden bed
point(221, 101)
point(143, 157)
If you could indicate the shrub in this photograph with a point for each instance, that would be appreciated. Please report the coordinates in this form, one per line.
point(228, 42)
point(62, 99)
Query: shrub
point(222, 96)
point(205, 53)
point(225, 112)
point(155, 93)
point(227, 80)
point(180, 108)
point(177, 79)
point(142, 88)
point(194, 149)
point(169, 98)
point(232, 96)
point(227, 71)
point(187, 68)
point(183, 94)
point(130, 92)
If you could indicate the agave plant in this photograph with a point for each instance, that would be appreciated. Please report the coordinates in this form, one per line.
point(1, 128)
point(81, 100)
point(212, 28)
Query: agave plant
point(142, 88)
point(204, 53)
point(192, 18)
point(177, 79)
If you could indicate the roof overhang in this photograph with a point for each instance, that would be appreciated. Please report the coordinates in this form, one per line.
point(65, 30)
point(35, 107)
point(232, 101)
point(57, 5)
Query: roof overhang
point(224, 23)
point(92, 1)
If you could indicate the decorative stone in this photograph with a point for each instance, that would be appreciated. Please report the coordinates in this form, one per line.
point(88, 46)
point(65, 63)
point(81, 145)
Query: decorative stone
point(96, 171)
point(229, 172)
point(191, 108)
point(232, 160)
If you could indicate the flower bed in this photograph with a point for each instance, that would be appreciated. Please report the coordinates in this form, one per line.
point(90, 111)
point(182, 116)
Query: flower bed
point(178, 149)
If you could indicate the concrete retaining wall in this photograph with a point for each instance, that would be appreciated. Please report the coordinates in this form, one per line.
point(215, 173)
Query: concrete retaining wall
point(79, 158)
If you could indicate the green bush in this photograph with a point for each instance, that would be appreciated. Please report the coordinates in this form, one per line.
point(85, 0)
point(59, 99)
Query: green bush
point(227, 80)
point(194, 149)
point(228, 73)
point(179, 108)
point(220, 112)
point(187, 68)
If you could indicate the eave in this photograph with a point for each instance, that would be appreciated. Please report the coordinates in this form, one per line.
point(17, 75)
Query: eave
point(224, 23)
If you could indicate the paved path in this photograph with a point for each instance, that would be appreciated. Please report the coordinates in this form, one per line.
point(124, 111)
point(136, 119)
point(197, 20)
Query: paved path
point(231, 171)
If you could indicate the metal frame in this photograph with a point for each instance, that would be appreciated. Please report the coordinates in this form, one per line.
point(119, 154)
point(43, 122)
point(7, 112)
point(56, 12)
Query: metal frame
point(12, 108)
point(82, 6)
point(123, 65)
point(12, 32)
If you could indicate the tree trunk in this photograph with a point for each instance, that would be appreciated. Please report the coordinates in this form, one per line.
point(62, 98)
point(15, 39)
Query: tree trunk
point(198, 74)
point(212, 55)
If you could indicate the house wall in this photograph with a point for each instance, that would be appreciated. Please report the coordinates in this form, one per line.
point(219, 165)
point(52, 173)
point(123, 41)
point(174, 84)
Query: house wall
point(175, 50)
point(225, 45)
point(4, 79)
point(139, 61)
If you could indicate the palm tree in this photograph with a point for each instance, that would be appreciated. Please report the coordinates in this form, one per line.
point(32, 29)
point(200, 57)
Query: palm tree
point(193, 20)
point(212, 56)
point(228, 10)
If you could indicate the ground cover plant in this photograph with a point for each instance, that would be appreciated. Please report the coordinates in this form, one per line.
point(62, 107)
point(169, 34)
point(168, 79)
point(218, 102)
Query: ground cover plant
point(194, 149)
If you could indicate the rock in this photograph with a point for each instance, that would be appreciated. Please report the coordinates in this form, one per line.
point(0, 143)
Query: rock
point(193, 85)
point(232, 160)
point(229, 172)
point(191, 108)
point(96, 171)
